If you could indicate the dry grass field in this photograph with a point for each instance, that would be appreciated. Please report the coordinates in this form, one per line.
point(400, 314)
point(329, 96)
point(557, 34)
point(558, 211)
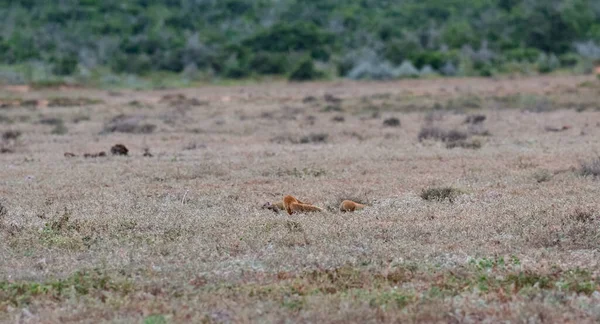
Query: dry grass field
point(483, 203)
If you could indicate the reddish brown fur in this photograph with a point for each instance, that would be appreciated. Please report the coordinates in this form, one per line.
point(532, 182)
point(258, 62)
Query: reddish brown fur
point(350, 206)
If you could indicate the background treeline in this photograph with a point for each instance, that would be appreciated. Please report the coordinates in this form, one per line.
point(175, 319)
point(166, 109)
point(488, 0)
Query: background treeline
point(298, 39)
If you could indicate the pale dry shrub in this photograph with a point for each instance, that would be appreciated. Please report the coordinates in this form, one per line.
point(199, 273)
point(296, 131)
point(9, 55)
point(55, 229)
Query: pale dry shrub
point(591, 167)
point(438, 134)
point(129, 124)
point(441, 194)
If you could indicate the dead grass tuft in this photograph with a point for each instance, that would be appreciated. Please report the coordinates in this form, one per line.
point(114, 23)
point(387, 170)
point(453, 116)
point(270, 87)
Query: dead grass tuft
point(475, 119)
point(438, 134)
point(10, 135)
point(583, 215)
point(472, 144)
point(338, 119)
point(542, 176)
point(129, 124)
point(591, 167)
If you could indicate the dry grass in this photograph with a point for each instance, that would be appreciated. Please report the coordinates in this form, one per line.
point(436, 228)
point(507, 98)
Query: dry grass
point(180, 236)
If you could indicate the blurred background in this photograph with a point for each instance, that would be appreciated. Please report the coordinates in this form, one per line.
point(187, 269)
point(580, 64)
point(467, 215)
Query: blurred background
point(149, 43)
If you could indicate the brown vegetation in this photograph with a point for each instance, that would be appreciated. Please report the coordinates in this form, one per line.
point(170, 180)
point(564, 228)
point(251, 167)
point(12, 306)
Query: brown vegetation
point(505, 233)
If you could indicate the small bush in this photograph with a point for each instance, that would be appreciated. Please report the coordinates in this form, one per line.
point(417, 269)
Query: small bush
point(311, 138)
point(466, 144)
point(372, 71)
point(449, 69)
point(591, 168)
point(11, 135)
point(407, 70)
point(51, 121)
point(455, 135)
point(547, 63)
point(435, 133)
point(72, 102)
point(128, 124)
point(306, 71)
point(60, 129)
point(3, 210)
point(65, 66)
point(475, 119)
point(583, 215)
point(338, 119)
point(314, 138)
point(441, 194)
point(542, 176)
point(392, 122)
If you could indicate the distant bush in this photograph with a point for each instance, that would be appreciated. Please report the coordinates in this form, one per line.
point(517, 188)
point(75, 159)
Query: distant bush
point(314, 138)
point(441, 194)
point(306, 71)
point(65, 66)
point(472, 144)
point(591, 167)
point(542, 176)
point(438, 134)
point(547, 63)
point(372, 71)
point(266, 37)
point(269, 63)
point(392, 122)
point(128, 124)
point(529, 55)
point(589, 50)
point(475, 119)
point(407, 70)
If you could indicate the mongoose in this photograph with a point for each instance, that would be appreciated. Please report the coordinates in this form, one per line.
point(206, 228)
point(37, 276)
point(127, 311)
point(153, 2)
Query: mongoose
point(293, 205)
point(350, 206)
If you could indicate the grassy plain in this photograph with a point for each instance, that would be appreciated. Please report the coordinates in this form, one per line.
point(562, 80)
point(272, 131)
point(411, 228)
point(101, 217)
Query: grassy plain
point(470, 220)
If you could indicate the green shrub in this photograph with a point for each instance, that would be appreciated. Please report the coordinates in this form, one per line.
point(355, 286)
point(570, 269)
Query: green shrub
point(522, 54)
point(65, 66)
point(306, 71)
point(269, 63)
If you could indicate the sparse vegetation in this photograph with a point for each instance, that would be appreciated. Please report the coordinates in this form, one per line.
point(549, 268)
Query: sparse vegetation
point(591, 167)
point(475, 119)
point(448, 136)
point(508, 233)
point(441, 194)
point(392, 122)
point(542, 176)
point(472, 144)
point(129, 124)
point(11, 135)
point(60, 129)
point(307, 139)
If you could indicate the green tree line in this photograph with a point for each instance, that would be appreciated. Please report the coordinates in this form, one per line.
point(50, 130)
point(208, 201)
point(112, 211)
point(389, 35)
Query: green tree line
point(300, 39)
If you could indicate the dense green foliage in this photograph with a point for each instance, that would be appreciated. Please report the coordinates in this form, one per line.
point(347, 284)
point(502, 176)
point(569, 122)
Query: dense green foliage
point(244, 38)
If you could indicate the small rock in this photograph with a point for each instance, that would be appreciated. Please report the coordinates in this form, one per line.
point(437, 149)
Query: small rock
point(69, 155)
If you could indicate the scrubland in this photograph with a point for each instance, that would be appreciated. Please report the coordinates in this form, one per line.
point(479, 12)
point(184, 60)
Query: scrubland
point(483, 203)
